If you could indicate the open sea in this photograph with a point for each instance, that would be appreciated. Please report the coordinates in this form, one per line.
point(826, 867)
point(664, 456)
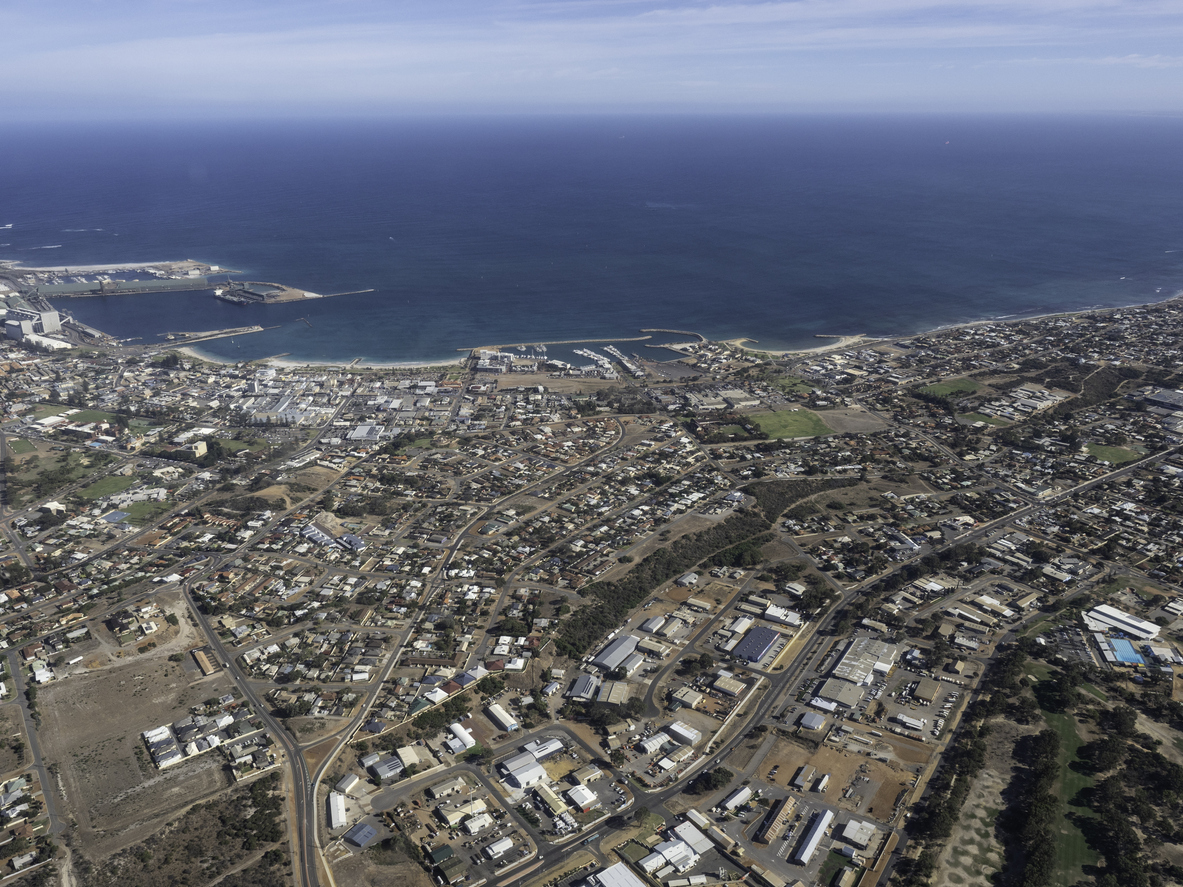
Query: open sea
point(501, 230)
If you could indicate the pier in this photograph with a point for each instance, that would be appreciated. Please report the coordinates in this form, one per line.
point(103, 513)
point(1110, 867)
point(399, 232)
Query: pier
point(699, 336)
point(190, 338)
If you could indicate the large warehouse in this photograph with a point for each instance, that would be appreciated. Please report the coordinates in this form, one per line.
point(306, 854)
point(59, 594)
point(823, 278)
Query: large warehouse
point(864, 658)
point(1110, 618)
point(613, 655)
point(756, 644)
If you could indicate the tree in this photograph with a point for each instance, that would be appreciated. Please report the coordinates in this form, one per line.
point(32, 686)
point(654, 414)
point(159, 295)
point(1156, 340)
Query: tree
point(711, 780)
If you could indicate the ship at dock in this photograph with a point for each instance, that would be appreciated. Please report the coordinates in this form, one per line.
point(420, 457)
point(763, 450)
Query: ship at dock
point(232, 297)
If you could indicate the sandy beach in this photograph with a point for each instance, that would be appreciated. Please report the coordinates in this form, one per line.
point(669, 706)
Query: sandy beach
point(285, 363)
point(835, 343)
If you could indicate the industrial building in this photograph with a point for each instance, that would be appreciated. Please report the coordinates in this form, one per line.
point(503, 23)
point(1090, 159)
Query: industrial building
point(728, 685)
point(737, 798)
point(813, 837)
point(864, 659)
point(843, 693)
point(614, 654)
point(613, 693)
point(501, 718)
point(585, 688)
point(683, 733)
point(618, 875)
point(446, 788)
point(803, 777)
point(756, 644)
point(858, 833)
point(361, 834)
point(582, 798)
point(543, 749)
point(336, 810)
point(499, 848)
point(812, 721)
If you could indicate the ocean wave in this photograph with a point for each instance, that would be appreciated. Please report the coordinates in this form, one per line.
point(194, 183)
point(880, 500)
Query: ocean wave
point(51, 246)
point(77, 230)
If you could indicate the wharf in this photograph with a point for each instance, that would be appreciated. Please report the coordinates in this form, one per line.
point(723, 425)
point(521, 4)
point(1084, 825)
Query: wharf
point(558, 342)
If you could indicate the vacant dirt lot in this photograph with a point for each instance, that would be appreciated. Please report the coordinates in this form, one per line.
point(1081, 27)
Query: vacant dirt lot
point(852, 420)
point(972, 855)
point(91, 726)
point(13, 742)
point(363, 871)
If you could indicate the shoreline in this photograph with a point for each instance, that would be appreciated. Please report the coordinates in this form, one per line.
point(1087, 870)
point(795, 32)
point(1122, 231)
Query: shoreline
point(739, 342)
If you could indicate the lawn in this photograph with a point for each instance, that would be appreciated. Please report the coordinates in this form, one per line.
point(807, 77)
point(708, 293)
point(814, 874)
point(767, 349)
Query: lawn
point(982, 417)
point(141, 513)
point(106, 487)
point(791, 423)
point(1072, 851)
point(1112, 455)
point(92, 416)
point(793, 385)
point(19, 446)
point(952, 388)
point(43, 410)
point(833, 864)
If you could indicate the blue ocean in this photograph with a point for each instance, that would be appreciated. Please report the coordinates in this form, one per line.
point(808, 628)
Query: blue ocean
point(501, 230)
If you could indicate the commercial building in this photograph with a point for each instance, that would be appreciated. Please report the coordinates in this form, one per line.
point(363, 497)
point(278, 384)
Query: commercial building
point(347, 783)
point(813, 837)
point(756, 644)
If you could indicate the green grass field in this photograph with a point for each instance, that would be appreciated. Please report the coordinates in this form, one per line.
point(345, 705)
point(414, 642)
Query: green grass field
point(791, 423)
point(982, 417)
point(43, 410)
point(1112, 455)
point(1072, 851)
point(833, 864)
point(792, 384)
point(18, 446)
point(952, 387)
point(140, 513)
point(92, 416)
point(106, 487)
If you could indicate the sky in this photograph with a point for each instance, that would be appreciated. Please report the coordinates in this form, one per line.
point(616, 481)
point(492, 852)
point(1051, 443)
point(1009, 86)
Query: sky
point(248, 58)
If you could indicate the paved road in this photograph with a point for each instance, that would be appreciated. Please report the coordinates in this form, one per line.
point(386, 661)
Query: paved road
point(57, 825)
